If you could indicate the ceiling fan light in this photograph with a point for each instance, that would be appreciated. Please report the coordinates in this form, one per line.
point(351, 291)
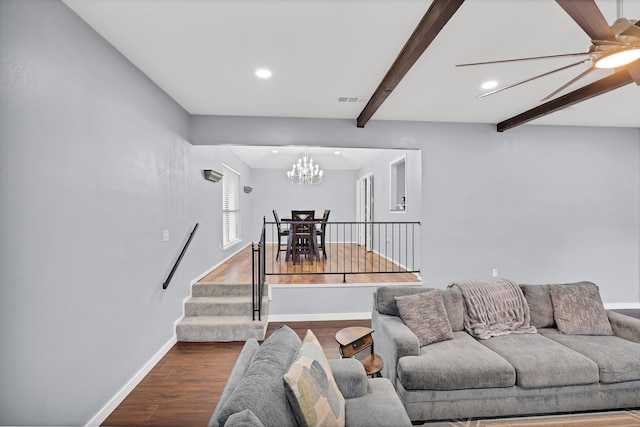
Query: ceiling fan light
point(490, 84)
point(619, 58)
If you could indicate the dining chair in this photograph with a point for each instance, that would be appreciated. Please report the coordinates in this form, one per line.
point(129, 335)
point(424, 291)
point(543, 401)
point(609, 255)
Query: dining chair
point(321, 232)
point(282, 232)
point(302, 240)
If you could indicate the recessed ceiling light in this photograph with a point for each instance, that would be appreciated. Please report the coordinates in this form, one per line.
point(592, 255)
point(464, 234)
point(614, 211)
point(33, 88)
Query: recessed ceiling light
point(263, 73)
point(337, 153)
point(490, 84)
point(274, 151)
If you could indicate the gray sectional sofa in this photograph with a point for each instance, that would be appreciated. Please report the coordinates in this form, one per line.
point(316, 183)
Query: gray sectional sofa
point(516, 374)
point(255, 394)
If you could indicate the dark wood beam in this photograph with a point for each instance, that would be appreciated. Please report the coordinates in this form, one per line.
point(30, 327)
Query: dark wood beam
point(607, 84)
point(439, 13)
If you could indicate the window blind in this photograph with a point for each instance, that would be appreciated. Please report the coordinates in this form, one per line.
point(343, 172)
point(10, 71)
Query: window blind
point(230, 206)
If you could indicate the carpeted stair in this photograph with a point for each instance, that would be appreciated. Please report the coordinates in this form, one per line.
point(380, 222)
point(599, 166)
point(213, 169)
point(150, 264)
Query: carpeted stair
point(221, 312)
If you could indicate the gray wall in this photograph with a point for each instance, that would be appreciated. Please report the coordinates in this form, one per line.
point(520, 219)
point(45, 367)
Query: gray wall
point(94, 165)
point(539, 203)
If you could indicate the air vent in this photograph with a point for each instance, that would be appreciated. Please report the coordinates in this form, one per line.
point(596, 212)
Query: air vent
point(352, 99)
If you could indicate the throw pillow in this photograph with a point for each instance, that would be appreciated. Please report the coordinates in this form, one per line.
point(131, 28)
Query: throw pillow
point(578, 310)
point(311, 396)
point(426, 316)
point(311, 388)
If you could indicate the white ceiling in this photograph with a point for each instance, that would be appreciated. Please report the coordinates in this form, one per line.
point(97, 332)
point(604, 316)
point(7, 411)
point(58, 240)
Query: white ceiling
point(265, 157)
point(203, 53)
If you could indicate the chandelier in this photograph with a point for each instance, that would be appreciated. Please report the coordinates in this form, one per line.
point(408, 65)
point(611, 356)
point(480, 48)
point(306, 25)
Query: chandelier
point(305, 172)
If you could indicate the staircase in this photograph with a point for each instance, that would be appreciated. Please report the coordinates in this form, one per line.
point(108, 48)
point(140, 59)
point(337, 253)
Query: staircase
point(221, 312)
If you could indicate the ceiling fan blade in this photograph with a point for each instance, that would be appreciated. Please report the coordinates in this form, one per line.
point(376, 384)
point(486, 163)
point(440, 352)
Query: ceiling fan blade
point(564, 55)
point(532, 78)
point(599, 87)
point(588, 17)
point(566, 85)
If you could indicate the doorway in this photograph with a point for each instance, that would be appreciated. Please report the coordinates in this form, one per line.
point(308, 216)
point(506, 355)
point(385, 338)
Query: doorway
point(364, 210)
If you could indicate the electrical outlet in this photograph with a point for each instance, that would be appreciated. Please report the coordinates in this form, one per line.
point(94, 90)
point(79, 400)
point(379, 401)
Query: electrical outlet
point(494, 272)
point(165, 235)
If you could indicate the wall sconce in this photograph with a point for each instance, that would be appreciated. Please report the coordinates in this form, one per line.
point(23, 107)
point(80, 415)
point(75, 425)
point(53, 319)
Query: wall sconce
point(211, 175)
point(247, 189)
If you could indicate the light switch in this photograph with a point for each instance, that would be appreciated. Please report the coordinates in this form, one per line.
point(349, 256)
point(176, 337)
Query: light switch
point(494, 272)
point(165, 235)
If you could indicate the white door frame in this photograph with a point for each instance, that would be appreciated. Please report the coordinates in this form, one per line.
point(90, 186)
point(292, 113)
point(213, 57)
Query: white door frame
point(364, 210)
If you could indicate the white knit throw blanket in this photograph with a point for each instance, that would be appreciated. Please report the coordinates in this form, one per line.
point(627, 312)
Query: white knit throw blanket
point(494, 307)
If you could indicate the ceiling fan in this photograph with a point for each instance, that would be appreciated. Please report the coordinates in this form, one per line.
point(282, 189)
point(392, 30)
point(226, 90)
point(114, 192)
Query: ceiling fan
point(616, 46)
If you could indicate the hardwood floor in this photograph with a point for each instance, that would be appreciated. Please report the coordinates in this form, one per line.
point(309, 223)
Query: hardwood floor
point(342, 257)
point(184, 387)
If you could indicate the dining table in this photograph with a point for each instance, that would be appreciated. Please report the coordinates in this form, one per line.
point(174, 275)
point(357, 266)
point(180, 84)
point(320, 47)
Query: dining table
point(302, 234)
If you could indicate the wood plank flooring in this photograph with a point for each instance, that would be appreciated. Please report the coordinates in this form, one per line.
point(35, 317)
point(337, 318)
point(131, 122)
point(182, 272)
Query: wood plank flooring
point(342, 257)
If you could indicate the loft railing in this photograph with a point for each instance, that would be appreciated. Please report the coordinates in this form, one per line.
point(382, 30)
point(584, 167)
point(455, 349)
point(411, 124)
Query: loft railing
point(258, 274)
point(350, 248)
point(175, 266)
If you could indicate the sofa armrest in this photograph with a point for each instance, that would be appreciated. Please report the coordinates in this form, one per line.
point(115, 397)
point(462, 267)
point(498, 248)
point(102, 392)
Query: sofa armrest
point(623, 326)
point(242, 363)
point(393, 340)
point(350, 377)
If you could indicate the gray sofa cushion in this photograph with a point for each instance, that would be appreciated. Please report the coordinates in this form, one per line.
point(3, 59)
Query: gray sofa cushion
point(540, 307)
point(578, 310)
point(452, 299)
point(380, 407)
point(618, 359)
point(459, 363)
point(425, 315)
point(264, 377)
point(541, 362)
point(350, 377)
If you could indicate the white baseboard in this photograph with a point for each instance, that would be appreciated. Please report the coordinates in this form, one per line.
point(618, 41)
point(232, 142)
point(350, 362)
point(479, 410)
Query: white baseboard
point(131, 384)
point(315, 317)
point(622, 306)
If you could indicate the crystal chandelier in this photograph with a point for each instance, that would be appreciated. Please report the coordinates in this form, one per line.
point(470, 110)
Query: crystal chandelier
point(305, 172)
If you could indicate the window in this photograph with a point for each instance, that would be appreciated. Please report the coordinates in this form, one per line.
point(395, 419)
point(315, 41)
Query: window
point(397, 185)
point(230, 207)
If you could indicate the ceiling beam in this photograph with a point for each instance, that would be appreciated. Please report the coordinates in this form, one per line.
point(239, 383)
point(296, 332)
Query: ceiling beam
point(439, 13)
point(607, 84)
